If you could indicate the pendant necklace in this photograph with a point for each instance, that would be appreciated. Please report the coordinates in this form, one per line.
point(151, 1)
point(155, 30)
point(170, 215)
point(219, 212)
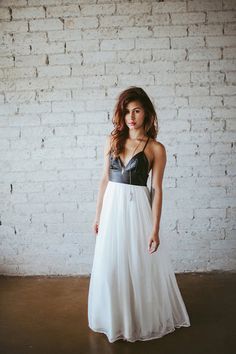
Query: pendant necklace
point(123, 170)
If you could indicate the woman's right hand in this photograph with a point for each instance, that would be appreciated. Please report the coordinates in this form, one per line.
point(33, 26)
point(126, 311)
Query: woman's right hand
point(95, 226)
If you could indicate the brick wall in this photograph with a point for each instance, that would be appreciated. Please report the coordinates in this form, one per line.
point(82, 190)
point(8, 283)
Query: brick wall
point(62, 64)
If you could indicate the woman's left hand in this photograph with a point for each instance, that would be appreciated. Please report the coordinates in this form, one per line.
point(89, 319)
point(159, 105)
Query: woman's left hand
point(153, 241)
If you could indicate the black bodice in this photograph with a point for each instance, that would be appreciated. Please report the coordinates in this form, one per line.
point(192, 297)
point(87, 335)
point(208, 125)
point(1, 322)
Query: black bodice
point(135, 172)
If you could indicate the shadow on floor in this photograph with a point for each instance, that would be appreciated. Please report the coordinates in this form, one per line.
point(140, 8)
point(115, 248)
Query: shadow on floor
point(47, 315)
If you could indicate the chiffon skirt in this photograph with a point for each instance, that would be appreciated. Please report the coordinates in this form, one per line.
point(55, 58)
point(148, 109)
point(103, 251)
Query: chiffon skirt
point(133, 295)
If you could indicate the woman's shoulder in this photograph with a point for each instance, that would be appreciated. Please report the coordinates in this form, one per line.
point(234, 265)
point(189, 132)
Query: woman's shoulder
point(108, 142)
point(157, 147)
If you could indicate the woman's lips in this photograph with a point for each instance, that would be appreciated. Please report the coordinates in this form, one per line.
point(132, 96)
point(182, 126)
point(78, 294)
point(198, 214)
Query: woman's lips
point(131, 123)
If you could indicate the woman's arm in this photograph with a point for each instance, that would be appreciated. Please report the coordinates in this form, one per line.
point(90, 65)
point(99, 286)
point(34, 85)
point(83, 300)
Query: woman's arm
point(103, 183)
point(159, 163)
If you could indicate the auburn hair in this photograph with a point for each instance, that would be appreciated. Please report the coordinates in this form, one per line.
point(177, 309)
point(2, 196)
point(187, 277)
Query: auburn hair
point(121, 131)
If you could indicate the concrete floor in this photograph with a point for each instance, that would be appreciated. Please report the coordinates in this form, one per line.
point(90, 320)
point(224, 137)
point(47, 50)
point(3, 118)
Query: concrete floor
point(48, 315)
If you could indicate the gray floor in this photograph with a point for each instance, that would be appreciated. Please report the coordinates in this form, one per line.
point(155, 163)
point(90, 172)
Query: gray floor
point(49, 315)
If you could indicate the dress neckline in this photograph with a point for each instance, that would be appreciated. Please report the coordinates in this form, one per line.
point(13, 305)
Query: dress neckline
point(142, 151)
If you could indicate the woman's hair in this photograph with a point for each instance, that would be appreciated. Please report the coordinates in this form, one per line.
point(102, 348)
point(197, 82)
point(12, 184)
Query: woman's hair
point(121, 132)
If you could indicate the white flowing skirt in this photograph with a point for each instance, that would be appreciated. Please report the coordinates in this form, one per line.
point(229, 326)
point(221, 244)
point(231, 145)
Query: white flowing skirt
point(133, 295)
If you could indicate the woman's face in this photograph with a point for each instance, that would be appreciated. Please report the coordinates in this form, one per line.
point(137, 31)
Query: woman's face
point(134, 115)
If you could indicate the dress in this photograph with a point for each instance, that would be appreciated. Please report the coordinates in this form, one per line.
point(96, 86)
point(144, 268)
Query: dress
point(133, 295)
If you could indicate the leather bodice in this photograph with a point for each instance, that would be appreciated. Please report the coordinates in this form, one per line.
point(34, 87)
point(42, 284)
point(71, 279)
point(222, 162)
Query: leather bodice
point(135, 172)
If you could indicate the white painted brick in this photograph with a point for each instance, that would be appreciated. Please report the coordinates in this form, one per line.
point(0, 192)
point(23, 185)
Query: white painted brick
point(77, 46)
point(230, 29)
point(28, 13)
point(188, 18)
point(223, 65)
point(96, 69)
point(65, 59)
point(89, 93)
point(194, 113)
point(31, 84)
point(53, 71)
point(102, 57)
point(16, 49)
point(204, 5)
point(230, 101)
point(42, 48)
point(117, 44)
point(205, 101)
point(51, 119)
point(6, 62)
point(122, 68)
point(220, 16)
point(81, 22)
point(62, 36)
point(204, 54)
point(207, 77)
point(133, 8)
point(71, 106)
point(116, 20)
point(16, 73)
point(151, 20)
point(187, 42)
point(100, 80)
point(14, 155)
point(162, 43)
point(7, 109)
point(134, 32)
point(191, 90)
point(13, 3)
point(4, 144)
point(175, 126)
point(229, 5)
point(197, 30)
point(64, 83)
point(34, 108)
point(100, 105)
point(208, 126)
point(162, 7)
point(49, 2)
point(193, 65)
point(30, 60)
point(22, 120)
point(136, 80)
point(223, 90)
point(220, 41)
point(94, 10)
point(101, 33)
point(54, 95)
point(90, 117)
point(169, 54)
point(223, 113)
point(171, 78)
point(45, 25)
point(62, 11)
point(23, 96)
point(13, 26)
point(229, 53)
point(230, 77)
point(164, 31)
point(5, 14)
point(156, 67)
point(48, 218)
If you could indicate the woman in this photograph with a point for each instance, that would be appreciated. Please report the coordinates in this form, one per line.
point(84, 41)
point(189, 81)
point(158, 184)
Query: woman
point(133, 292)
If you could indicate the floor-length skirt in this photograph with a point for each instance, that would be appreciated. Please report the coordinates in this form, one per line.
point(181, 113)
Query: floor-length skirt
point(133, 295)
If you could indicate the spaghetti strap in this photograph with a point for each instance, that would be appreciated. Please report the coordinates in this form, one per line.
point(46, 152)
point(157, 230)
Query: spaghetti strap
point(146, 143)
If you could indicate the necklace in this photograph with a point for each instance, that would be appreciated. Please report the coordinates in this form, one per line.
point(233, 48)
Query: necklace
point(123, 169)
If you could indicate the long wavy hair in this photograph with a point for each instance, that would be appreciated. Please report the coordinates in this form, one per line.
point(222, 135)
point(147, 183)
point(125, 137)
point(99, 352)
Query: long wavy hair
point(121, 131)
